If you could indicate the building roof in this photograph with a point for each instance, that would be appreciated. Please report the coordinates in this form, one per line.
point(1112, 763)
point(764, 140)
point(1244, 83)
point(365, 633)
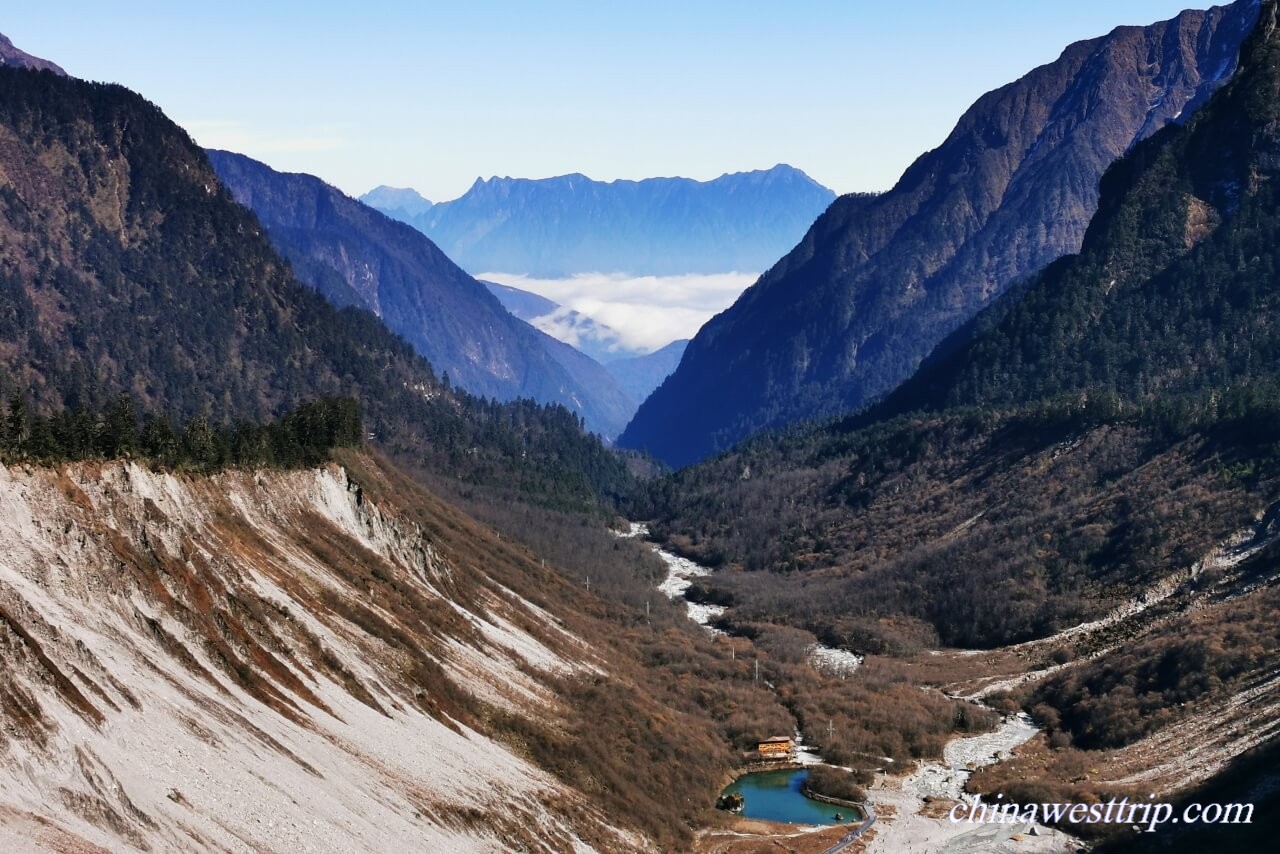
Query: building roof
point(777, 739)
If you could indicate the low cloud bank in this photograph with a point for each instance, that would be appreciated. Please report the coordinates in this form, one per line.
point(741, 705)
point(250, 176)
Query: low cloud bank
point(647, 312)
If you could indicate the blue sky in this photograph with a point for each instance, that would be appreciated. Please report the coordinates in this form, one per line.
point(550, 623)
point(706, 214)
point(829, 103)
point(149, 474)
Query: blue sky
point(432, 95)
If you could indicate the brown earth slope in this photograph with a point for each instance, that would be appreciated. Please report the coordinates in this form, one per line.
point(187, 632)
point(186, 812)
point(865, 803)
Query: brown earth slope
point(275, 660)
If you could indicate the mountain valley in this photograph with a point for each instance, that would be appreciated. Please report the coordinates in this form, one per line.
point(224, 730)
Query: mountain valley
point(356, 256)
point(310, 539)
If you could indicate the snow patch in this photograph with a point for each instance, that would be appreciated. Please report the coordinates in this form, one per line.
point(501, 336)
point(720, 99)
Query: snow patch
point(834, 662)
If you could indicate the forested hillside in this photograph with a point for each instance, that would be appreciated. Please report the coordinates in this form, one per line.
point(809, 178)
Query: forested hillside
point(126, 267)
point(1144, 367)
point(1174, 289)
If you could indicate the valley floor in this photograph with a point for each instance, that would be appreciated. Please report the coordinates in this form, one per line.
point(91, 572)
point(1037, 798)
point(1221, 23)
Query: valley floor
point(912, 807)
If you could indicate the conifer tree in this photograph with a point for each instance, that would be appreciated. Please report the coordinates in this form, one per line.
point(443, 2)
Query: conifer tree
point(119, 434)
point(15, 433)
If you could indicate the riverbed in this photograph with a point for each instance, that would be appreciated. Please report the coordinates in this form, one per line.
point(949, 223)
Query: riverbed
point(962, 756)
point(681, 573)
point(911, 830)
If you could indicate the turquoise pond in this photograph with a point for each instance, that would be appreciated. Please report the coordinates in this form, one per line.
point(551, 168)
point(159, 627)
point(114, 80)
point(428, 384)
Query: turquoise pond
point(776, 796)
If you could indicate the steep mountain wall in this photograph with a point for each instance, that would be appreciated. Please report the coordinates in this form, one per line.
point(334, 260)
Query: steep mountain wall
point(879, 281)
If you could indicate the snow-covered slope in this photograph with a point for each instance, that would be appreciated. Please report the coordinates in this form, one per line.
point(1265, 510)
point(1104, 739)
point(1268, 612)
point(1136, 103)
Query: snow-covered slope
point(265, 662)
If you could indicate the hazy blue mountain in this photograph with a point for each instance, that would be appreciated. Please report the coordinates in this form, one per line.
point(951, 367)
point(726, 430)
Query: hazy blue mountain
point(405, 202)
point(658, 226)
point(640, 375)
point(523, 304)
point(355, 255)
point(878, 281)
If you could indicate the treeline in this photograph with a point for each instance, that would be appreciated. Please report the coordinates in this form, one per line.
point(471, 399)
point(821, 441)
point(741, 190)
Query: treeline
point(303, 437)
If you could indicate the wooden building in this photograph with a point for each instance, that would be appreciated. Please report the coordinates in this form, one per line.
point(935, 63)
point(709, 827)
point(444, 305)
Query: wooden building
point(778, 747)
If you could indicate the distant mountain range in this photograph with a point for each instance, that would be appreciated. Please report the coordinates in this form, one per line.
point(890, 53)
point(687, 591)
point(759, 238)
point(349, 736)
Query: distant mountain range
point(399, 203)
point(556, 227)
point(878, 281)
point(355, 255)
point(636, 371)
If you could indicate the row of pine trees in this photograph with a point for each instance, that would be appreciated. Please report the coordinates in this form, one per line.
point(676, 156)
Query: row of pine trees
point(302, 437)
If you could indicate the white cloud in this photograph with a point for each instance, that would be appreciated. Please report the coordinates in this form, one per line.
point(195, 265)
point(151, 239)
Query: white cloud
point(234, 136)
point(575, 328)
point(647, 312)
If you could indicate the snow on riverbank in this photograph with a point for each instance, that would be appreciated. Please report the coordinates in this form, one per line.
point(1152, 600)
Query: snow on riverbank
point(905, 828)
point(637, 530)
point(680, 575)
point(962, 756)
point(806, 754)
